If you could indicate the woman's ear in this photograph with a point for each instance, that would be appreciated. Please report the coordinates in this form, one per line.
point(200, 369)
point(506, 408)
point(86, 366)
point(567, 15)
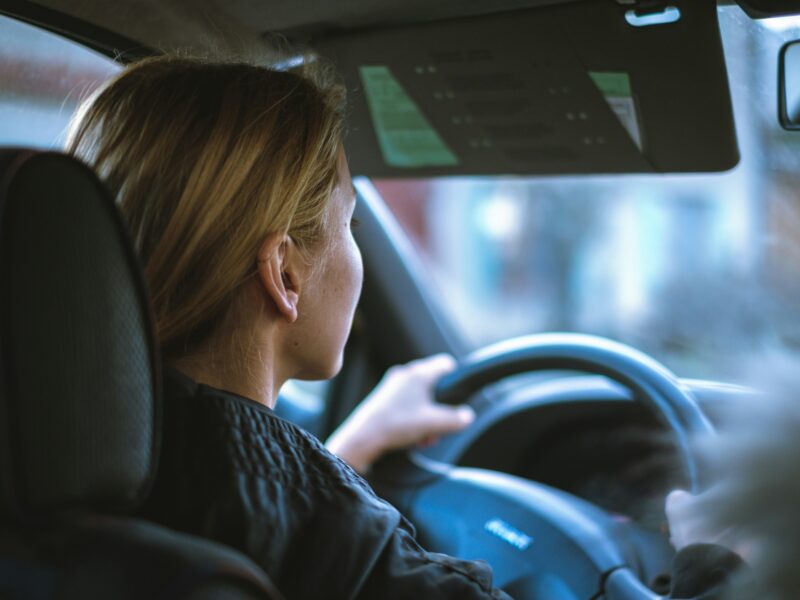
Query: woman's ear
point(278, 271)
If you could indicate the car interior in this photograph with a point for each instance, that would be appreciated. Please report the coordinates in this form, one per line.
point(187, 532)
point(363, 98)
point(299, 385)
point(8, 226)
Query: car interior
point(560, 482)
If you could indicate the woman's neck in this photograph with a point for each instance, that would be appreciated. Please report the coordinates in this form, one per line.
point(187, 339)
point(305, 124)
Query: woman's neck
point(244, 369)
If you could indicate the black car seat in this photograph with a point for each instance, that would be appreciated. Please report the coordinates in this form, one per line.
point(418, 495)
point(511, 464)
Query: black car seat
point(79, 405)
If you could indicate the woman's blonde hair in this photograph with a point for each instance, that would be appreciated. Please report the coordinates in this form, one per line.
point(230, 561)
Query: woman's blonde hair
point(205, 160)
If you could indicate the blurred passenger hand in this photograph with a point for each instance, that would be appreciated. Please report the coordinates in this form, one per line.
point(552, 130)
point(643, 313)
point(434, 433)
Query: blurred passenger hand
point(690, 519)
point(400, 412)
point(685, 524)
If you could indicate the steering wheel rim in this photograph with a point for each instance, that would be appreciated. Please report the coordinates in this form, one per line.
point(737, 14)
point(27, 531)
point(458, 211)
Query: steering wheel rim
point(657, 387)
point(411, 483)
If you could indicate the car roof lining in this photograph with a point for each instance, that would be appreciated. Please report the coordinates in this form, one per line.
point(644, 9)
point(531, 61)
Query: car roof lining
point(242, 29)
point(235, 29)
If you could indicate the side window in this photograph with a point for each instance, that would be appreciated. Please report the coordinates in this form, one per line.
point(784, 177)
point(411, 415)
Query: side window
point(44, 78)
point(304, 403)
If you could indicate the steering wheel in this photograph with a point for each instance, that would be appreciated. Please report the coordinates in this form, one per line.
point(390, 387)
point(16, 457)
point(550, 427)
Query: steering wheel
point(541, 542)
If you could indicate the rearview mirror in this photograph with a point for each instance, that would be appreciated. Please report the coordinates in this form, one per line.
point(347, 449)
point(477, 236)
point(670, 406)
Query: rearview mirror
point(789, 86)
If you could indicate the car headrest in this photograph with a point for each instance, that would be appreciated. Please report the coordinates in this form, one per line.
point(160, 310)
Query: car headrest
point(79, 417)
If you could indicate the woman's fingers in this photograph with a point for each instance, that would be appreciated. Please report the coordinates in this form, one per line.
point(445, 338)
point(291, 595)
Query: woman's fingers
point(439, 419)
point(429, 369)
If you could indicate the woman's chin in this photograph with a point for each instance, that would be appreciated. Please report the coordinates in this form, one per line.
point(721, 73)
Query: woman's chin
point(320, 372)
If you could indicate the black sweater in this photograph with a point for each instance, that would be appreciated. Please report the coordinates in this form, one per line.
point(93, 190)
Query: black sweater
point(233, 471)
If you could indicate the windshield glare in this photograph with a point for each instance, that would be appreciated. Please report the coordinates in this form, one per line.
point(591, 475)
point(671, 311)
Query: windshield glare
point(701, 271)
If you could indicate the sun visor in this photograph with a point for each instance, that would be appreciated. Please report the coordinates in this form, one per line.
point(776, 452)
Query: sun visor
point(585, 87)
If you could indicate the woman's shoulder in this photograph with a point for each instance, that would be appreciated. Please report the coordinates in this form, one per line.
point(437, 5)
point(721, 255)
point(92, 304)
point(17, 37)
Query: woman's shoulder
point(229, 433)
point(234, 471)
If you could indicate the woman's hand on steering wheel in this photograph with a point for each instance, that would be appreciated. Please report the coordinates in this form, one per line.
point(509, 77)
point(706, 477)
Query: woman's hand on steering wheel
point(399, 413)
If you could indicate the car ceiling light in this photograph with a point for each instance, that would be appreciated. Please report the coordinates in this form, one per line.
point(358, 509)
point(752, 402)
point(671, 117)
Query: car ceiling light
point(670, 14)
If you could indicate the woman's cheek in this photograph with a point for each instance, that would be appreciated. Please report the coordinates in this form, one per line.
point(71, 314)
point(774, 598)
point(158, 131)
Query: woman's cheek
point(358, 268)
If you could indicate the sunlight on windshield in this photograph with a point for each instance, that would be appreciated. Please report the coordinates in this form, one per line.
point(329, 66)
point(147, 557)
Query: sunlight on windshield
point(702, 271)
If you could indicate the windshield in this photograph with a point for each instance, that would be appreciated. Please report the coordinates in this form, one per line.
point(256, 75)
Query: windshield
point(701, 271)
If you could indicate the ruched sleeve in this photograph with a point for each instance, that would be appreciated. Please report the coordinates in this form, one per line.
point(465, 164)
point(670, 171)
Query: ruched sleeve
point(405, 570)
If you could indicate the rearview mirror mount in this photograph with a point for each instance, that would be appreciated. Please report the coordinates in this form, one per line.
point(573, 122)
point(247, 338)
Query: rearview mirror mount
point(789, 86)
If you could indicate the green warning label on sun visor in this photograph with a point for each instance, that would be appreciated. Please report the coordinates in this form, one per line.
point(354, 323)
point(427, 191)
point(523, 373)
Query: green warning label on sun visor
point(405, 136)
point(612, 83)
point(616, 88)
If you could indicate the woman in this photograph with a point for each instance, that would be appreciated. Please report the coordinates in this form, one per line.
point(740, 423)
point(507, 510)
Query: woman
point(236, 189)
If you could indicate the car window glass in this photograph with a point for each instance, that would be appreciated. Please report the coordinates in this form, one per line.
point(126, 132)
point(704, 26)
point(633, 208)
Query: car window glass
point(44, 77)
point(303, 403)
point(698, 270)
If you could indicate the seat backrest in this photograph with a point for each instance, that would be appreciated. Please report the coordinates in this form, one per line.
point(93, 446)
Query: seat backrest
point(79, 404)
point(78, 417)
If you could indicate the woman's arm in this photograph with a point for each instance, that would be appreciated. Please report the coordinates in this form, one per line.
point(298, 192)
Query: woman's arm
point(399, 413)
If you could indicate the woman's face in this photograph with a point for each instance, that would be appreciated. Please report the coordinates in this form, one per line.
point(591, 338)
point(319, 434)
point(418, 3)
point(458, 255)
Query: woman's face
point(326, 308)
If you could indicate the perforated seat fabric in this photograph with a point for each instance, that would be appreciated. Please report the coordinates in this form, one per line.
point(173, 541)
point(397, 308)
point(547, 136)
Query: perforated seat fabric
point(79, 405)
point(78, 420)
